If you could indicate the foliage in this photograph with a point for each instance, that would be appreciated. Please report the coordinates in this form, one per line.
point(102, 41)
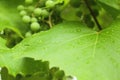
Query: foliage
point(79, 36)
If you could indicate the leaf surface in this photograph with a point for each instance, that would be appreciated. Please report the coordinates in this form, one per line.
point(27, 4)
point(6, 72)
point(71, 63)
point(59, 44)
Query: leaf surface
point(9, 16)
point(112, 3)
point(110, 10)
point(80, 51)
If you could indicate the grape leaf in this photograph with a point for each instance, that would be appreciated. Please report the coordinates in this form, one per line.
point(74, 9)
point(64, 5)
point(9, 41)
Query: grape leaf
point(80, 51)
point(9, 16)
point(38, 72)
point(2, 44)
point(111, 10)
point(112, 3)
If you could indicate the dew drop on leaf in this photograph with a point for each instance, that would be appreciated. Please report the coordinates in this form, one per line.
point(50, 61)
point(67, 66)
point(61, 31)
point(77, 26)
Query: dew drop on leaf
point(78, 30)
point(40, 41)
point(112, 30)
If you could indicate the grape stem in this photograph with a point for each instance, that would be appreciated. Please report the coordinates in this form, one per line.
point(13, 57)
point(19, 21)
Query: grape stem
point(50, 20)
point(37, 4)
point(93, 15)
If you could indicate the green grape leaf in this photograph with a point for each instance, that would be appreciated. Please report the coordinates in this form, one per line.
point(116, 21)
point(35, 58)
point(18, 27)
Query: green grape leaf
point(9, 16)
point(33, 70)
point(112, 3)
point(76, 49)
point(111, 10)
point(69, 14)
point(2, 44)
point(5, 75)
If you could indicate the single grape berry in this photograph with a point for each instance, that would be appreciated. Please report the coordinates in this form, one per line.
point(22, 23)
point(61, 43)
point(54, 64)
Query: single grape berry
point(35, 26)
point(37, 11)
point(23, 12)
point(28, 1)
point(50, 4)
point(26, 19)
point(28, 34)
point(44, 13)
point(33, 19)
point(30, 8)
point(20, 7)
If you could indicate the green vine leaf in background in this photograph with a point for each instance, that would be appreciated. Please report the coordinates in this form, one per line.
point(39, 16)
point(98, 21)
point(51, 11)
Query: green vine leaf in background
point(111, 10)
point(9, 17)
point(112, 3)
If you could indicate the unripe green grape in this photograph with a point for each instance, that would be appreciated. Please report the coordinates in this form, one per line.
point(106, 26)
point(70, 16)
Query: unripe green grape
point(23, 12)
point(37, 11)
point(30, 8)
point(20, 7)
point(26, 19)
point(39, 18)
point(44, 13)
point(35, 26)
point(28, 1)
point(50, 4)
point(28, 34)
point(33, 19)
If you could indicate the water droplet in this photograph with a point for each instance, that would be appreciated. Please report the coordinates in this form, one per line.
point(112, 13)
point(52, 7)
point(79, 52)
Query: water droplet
point(44, 48)
point(113, 41)
point(40, 41)
point(2, 32)
point(78, 30)
point(112, 30)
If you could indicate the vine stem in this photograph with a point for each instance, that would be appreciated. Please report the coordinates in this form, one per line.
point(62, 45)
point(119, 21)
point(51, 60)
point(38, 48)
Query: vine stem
point(49, 21)
point(93, 15)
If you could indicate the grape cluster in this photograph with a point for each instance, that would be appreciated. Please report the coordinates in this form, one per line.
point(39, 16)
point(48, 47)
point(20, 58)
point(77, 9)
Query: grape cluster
point(38, 14)
point(84, 13)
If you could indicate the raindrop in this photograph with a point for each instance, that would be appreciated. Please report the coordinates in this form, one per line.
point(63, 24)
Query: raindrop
point(78, 30)
point(2, 32)
point(40, 41)
point(113, 41)
point(44, 48)
point(112, 30)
